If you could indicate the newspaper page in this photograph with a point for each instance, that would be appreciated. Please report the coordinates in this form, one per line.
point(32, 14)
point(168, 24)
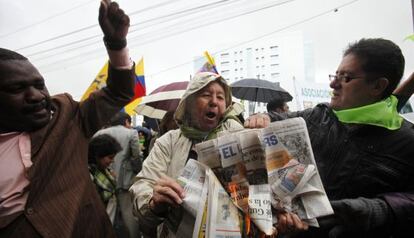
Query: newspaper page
point(254, 160)
point(208, 154)
point(292, 169)
point(253, 157)
point(195, 184)
point(214, 212)
point(254, 172)
point(192, 180)
point(233, 174)
point(222, 214)
point(260, 209)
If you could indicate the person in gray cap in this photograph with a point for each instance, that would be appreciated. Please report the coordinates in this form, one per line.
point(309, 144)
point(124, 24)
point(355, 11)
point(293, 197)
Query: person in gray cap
point(204, 110)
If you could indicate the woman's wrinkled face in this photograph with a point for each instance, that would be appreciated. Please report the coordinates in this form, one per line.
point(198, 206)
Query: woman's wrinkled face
point(208, 106)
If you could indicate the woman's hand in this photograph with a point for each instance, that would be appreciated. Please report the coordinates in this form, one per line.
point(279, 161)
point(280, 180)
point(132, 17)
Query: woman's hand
point(167, 192)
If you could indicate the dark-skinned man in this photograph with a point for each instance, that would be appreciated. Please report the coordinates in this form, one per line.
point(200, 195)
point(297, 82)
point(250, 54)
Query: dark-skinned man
point(45, 188)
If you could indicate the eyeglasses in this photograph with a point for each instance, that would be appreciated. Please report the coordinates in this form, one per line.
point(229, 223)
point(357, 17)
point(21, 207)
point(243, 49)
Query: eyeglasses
point(343, 78)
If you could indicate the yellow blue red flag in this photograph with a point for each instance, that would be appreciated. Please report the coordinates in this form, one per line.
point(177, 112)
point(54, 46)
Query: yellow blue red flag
point(139, 90)
point(209, 65)
point(98, 83)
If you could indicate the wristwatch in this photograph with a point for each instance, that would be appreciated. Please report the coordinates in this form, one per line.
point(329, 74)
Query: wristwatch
point(111, 44)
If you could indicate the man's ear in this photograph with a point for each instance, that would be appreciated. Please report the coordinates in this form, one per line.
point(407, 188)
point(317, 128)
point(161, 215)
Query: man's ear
point(379, 86)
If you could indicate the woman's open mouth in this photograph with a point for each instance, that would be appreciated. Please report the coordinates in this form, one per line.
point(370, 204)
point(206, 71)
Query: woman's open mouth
point(211, 115)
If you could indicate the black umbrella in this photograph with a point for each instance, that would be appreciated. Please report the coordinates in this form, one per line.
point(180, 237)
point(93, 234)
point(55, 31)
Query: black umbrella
point(259, 90)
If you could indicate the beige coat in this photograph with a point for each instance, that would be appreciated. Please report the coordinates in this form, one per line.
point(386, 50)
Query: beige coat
point(168, 157)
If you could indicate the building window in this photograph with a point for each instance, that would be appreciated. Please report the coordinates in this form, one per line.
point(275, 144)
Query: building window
point(274, 76)
point(225, 73)
point(274, 50)
point(274, 59)
point(224, 56)
point(225, 63)
point(274, 66)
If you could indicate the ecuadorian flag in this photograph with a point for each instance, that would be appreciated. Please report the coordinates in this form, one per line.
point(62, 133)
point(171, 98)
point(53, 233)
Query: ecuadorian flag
point(209, 65)
point(139, 90)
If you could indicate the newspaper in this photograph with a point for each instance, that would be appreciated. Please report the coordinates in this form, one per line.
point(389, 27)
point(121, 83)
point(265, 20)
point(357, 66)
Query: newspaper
point(292, 170)
point(250, 175)
point(222, 214)
point(260, 209)
point(214, 212)
point(254, 160)
point(241, 169)
point(192, 180)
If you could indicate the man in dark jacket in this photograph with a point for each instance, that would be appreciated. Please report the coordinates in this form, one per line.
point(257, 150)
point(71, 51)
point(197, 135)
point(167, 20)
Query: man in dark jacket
point(363, 148)
point(45, 188)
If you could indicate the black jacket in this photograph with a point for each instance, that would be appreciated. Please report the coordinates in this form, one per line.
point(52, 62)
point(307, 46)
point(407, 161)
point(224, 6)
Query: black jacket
point(364, 161)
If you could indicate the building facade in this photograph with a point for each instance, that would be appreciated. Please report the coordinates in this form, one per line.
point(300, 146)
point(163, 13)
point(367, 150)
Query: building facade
point(284, 58)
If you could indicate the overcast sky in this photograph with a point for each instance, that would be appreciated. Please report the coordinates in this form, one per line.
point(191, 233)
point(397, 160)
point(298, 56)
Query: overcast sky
point(64, 41)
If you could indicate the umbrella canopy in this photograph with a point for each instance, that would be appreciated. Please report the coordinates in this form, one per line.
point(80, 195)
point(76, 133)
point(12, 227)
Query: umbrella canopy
point(162, 100)
point(259, 90)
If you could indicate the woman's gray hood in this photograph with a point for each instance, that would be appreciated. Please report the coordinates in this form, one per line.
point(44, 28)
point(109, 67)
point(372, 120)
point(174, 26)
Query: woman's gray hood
point(199, 81)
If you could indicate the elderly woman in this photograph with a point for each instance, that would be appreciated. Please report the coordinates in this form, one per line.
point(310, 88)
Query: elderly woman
point(204, 110)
